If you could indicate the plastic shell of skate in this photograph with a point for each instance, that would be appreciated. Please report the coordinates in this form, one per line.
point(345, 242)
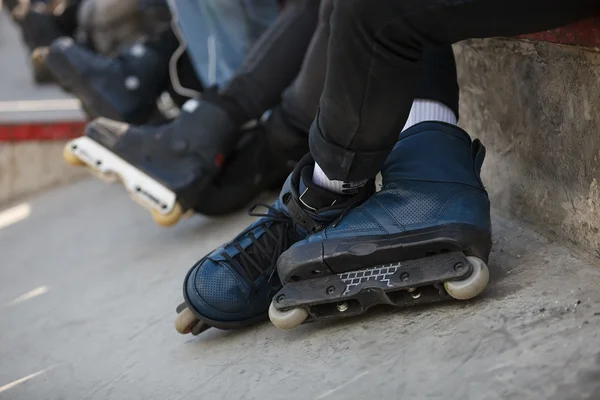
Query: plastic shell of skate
point(401, 284)
point(150, 194)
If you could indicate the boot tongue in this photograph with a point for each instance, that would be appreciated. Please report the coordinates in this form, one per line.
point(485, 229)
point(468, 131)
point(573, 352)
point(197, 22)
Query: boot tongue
point(314, 197)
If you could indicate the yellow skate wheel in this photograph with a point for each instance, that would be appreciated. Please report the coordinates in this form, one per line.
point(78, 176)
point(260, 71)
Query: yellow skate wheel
point(169, 219)
point(471, 286)
point(287, 319)
point(71, 158)
point(38, 56)
point(185, 321)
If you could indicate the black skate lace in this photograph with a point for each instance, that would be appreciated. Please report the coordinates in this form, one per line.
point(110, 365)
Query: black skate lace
point(260, 258)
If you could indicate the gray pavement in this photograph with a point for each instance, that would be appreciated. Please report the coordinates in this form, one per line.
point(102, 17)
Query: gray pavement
point(89, 286)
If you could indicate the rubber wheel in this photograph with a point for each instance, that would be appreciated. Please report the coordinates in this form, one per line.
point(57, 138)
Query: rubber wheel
point(71, 158)
point(287, 319)
point(185, 321)
point(169, 219)
point(473, 285)
point(38, 56)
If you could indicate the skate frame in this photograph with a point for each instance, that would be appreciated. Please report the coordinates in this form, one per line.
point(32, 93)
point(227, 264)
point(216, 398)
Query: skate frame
point(400, 284)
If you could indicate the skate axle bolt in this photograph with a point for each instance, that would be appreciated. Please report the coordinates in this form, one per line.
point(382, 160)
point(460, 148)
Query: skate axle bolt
point(342, 306)
point(330, 290)
point(410, 290)
point(404, 276)
point(280, 298)
point(459, 267)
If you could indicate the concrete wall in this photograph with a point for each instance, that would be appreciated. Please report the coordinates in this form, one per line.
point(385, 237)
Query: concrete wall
point(536, 106)
point(29, 166)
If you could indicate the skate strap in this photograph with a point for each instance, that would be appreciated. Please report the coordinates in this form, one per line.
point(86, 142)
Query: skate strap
point(302, 218)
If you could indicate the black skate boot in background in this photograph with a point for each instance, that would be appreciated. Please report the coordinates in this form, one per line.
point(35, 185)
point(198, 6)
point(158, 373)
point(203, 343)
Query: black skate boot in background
point(165, 168)
point(178, 167)
point(39, 29)
point(123, 88)
point(262, 160)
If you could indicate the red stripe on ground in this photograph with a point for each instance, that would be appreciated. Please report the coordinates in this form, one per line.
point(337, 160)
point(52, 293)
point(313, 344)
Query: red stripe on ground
point(583, 34)
point(40, 131)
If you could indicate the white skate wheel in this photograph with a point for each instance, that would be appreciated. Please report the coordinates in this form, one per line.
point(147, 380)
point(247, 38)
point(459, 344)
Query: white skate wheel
point(185, 321)
point(473, 285)
point(287, 319)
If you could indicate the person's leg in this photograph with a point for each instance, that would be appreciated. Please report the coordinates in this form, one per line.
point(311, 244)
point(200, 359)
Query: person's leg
point(432, 204)
point(244, 268)
point(183, 159)
point(220, 33)
point(267, 155)
point(375, 54)
point(274, 61)
point(300, 100)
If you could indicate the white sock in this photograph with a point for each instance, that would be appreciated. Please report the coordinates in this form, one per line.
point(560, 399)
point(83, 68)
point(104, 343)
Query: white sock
point(422, 110)
point(342, 187)
point(428, 110)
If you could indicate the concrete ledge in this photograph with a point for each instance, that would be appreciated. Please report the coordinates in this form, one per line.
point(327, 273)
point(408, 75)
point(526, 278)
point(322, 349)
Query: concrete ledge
point(536, 106)
point(28, 167)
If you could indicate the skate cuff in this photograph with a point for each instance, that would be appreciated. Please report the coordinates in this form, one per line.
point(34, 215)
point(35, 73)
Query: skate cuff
point(344, 164)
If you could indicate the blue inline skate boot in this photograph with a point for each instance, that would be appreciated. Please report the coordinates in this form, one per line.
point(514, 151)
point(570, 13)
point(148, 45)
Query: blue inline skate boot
point(232, 287)
point(123, 88)
point(424, 237)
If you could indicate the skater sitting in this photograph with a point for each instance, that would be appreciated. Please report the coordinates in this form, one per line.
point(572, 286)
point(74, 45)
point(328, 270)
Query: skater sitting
point(328, 222)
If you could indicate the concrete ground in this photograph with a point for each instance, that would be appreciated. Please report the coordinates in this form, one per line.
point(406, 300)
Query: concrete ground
point(89, 286)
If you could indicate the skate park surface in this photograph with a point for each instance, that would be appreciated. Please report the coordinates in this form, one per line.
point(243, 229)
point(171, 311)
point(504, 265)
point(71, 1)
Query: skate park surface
point(89, 286)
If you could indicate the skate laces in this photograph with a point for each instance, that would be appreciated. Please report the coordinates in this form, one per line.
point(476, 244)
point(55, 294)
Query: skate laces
point(260, 257)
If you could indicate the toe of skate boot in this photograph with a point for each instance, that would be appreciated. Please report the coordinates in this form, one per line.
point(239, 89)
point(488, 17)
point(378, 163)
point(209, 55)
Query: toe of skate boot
point(233, 286)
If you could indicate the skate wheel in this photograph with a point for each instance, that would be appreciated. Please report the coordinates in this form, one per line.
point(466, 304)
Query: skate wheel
point(287, 319)
point(71, 158)
point(185, 321)
point(473, 285)
point(38, 56)
point(169, 219)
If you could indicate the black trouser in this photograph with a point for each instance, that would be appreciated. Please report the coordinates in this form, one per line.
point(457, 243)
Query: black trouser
point(279, 54)
point(375, 53)
point(273, 62)
point(300, 101)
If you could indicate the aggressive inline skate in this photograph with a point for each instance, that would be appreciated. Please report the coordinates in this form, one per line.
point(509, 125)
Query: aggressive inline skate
point(424, 237)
